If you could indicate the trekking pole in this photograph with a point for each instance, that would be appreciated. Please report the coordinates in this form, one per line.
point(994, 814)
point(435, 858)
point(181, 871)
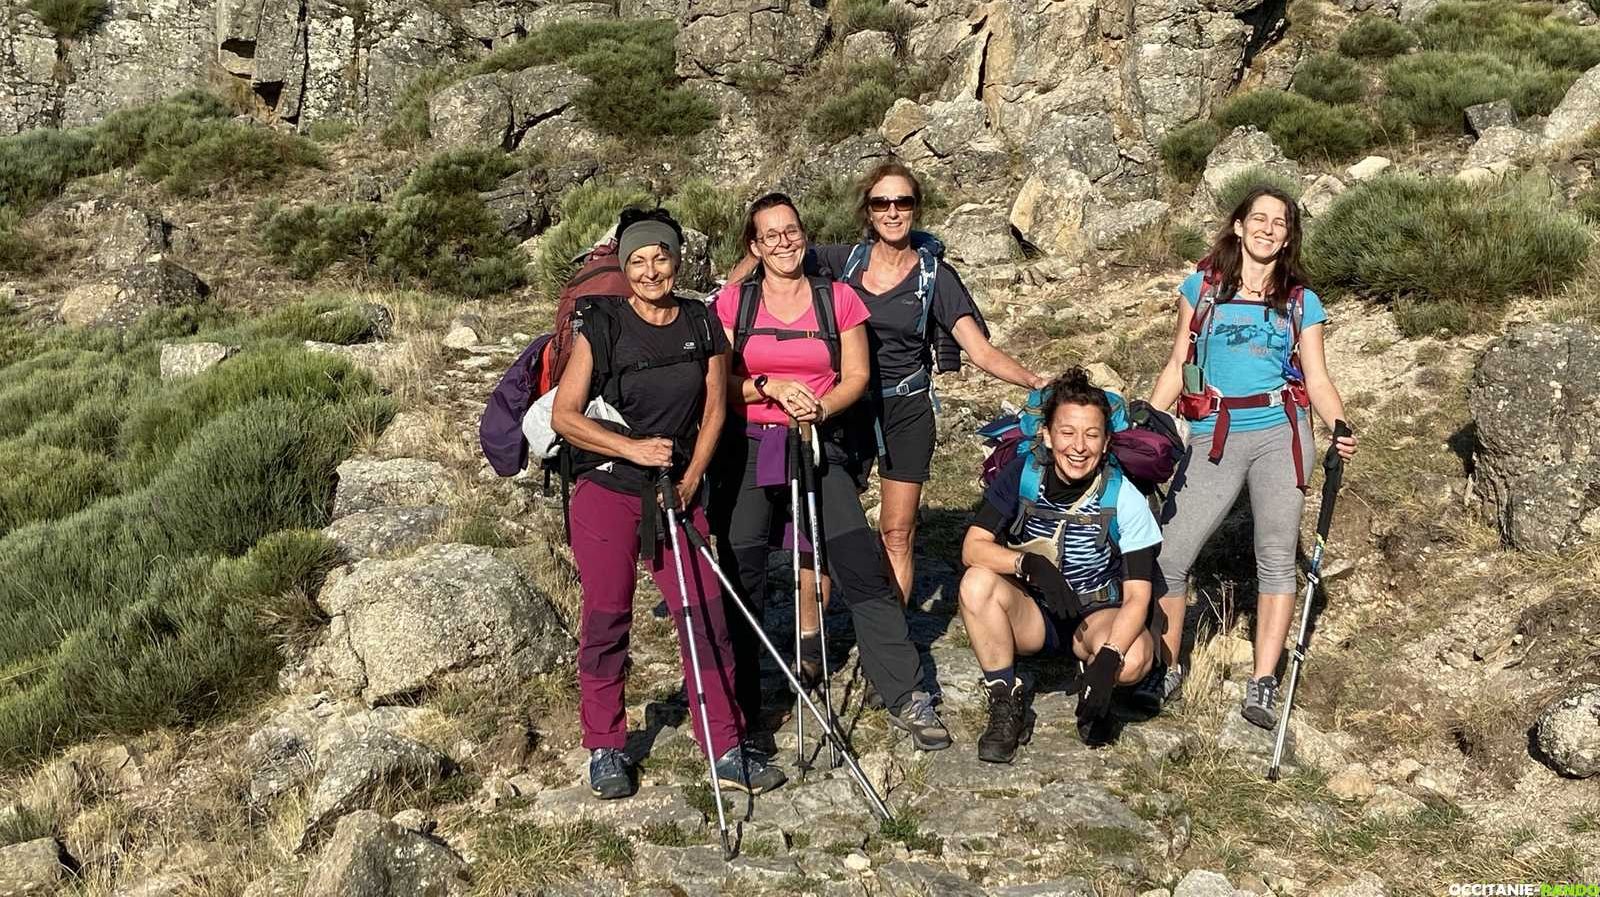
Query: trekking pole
point(809, 473)
point(669, 500)
point(829, 730)
point(1333, 476)
point(800, 761)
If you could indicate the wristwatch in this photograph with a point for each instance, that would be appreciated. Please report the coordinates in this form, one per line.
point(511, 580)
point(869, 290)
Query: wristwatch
point(760, 383)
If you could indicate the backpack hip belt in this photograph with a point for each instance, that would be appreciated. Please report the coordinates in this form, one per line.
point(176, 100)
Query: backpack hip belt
point(1291, 398)
point(916, 383)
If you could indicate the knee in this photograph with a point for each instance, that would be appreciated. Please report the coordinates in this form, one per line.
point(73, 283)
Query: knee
point(1136, 663)
point(977, 590)
point(897, 539)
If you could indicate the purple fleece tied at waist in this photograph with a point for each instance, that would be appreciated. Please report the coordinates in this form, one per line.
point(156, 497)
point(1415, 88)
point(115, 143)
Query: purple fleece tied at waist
point(772, 454)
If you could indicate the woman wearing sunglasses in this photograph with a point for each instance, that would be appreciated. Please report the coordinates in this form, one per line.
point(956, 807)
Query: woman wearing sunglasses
point(921, 312)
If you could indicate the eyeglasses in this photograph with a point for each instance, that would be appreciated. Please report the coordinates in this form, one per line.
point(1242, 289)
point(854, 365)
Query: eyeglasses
point(772, 238)
point(901, 203)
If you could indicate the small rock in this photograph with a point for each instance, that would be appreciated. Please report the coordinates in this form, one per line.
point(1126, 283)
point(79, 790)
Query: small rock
point(1156, 892)
point(1472, 177)
point(1578, 12)
point(1202, 883)
point(494, 792)
point(1406, 768)
point(1371, 166)
point(415, 820)
point(140, 288)
point(1484, 116)
point(189, 359)
point(864, 46)
point(369, 856)
point(34, 867)
point(465, 331)
point(1501, 147)
point(1389, 802)
point(856, 861)
point(1568, 733)
point(356, 773)
point(1253, 883)
point(1354, 782)
point(1319, 197)
point(1364, 885)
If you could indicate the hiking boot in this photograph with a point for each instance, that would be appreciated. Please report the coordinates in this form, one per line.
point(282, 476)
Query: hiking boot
point(609, 774)
point(1260, 702)
point(1009, 725)
point(918, 718)
point(745, 769)
point(1156, 689)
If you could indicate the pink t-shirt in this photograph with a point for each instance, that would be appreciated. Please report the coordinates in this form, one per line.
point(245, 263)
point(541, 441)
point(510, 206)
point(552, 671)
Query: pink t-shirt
point(805, 360)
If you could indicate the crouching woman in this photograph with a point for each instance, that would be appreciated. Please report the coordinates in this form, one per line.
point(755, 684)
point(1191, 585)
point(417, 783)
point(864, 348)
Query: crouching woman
point(662, 366)
point(1060, 559)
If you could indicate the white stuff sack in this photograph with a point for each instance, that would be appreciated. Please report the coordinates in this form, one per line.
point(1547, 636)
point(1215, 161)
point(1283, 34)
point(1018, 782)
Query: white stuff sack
point(541, 435)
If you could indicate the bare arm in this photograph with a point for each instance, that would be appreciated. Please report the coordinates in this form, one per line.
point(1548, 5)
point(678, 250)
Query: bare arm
point(1324, 395)
point(981, 549)
point(569, 422)
point(1170, 382)
point(990, 359)
point(854, 368)
point(742, 268)
point(1131, 615)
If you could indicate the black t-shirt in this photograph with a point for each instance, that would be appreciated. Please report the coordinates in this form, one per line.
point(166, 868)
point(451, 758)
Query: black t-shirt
point(897, 352)
point(659, 401)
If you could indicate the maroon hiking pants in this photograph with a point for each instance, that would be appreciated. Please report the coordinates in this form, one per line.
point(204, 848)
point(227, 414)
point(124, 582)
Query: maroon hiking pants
point(605, 543)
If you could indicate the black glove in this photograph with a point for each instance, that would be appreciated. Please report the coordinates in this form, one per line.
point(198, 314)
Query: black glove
point(1094, 688)
point(1058, 595)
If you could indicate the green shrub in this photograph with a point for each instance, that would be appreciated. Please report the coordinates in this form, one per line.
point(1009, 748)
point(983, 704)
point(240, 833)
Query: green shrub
point(850, 16)
point(1588, 205)
point(856, 95)
point(330, 130)
point(125, 136)
point(1375, 37)
point(226, 152)
point(1185, 149)
point(586, 213)
point(828, 211)
point(408, 126)
point(1187, 242)
point(1516, 32)
point(1434, 88)
point(1433, 243)
point(35, 165)
point(1302, 127)
point(70, 19)
point(1329, 78)
point(45, 482)
point(717, 213)
point(311, 237)
point(1234, 189)
point(17, 252)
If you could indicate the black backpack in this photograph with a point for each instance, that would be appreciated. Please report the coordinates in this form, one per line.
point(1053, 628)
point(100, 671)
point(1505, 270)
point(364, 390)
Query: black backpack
point(827, 330)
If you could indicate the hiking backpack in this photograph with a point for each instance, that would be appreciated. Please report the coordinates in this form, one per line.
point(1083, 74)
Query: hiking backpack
point(1145, 442)
point(744, 325)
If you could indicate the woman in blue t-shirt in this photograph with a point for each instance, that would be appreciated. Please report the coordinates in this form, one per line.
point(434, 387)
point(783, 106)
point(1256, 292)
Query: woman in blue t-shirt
point(1059, 561)
point(1247, 362)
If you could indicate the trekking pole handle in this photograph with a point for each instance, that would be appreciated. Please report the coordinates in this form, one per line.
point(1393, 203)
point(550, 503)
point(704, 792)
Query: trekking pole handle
point(668, 492)
point(1333, 459)
point(1333, 470)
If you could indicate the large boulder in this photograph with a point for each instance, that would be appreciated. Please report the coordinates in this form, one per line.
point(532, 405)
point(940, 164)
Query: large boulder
point(1243, 149)
point(358, 773)
point(1050, 211)
point(1569, 733)
point(525, 202)
point(1185, 59)
point(1534, 398)
point(1501, 145)
point(717, 37)
point(384, 531)
point(399, 482)
point(447, 611)
point(139, 289)
point(27, 70)
point(121, 234)
point(369, 856)
point(1578, 113)
point(499, 108)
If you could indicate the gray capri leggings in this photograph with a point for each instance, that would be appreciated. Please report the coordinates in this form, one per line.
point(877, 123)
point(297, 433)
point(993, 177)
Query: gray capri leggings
point(1203, 492)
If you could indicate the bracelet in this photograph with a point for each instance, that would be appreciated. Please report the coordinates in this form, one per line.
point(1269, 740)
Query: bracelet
point(1016, 567)
point(760, 383)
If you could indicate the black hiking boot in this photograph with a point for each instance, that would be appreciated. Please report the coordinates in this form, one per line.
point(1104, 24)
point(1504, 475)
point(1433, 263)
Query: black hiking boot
point(609, 774)
point(1009, 723)
point(745, 769)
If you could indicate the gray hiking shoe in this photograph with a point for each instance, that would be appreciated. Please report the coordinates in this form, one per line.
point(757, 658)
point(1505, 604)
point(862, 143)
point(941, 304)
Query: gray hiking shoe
point(747, 770)
point(609, 775)
point(918, 718)
point(1260, 702)
point(1158, 688)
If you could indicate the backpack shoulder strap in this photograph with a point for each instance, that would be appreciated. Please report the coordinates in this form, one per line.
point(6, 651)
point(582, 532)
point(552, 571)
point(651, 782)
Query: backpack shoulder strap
point(857, 262)
point(745, 320)
point(1297, 314)
point(927, 282)
point(827, 321)
point(600, 325)
point(700, 320)
point(1032, 480)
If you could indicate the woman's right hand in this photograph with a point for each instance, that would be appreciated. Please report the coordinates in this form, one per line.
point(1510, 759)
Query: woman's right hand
point(654, 451)
point(795, 398)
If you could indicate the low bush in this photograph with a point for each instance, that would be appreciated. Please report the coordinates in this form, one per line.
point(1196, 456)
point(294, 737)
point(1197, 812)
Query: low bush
point(1434, 88)
point(330, 130)
point(1234, 189)
point(855, 95)
point(17, 252)
point(1516, 32)
point(226, 152)
point(312, 237)
point(1588, 205)
point(850, 16)
point(1302, 127)
point(1375, 37)
point(151, 530)
point(1448, 255)
point(70, 19)
point(1185, 149)
point(828, 211)
point(1329, 78)
point(633, 93)
point(715, 212)
point(586, 213)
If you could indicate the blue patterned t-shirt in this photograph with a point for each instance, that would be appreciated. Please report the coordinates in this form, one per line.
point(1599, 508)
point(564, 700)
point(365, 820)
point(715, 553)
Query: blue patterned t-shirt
point(1243, 349)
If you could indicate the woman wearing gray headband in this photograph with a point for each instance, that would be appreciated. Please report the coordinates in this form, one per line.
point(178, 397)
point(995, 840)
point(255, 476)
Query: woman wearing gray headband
point(661, 365)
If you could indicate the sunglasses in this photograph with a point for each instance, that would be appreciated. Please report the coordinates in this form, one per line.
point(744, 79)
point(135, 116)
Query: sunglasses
point(901, 203)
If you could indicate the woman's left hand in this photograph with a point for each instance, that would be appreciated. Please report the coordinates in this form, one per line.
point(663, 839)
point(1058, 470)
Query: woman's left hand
point(1039, 381)
point(688, 487)
point(1346, 446)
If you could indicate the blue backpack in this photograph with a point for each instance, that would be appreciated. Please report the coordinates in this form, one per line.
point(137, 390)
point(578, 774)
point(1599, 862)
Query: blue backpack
point(946, 351)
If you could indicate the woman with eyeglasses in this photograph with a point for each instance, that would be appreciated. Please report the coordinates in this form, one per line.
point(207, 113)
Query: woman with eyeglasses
point(801, 357)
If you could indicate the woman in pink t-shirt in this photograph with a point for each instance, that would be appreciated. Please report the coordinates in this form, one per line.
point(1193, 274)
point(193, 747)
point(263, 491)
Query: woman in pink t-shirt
point(787, 369)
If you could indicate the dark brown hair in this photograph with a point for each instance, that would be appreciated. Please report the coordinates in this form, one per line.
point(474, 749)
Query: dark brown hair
point(1072, 387)
point(889, 169)
point(763, 203)
point(1226, 258)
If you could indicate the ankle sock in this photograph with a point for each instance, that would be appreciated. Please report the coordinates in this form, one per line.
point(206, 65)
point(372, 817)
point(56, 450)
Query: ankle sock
point(1003, 679)
point(811, 646)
